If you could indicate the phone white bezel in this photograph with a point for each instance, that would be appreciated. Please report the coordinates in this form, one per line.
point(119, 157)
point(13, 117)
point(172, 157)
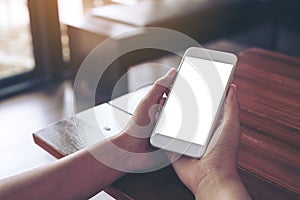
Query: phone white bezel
point(184, 147)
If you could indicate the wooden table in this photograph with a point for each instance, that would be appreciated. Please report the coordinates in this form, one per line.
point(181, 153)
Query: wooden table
point(269, 154)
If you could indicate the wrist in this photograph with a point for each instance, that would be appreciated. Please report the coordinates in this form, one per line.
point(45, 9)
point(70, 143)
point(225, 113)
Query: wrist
point(221, 185)
point(132, 149)
point(131, 144)
point(140, 155)
point(211, 182)
point(114, 153)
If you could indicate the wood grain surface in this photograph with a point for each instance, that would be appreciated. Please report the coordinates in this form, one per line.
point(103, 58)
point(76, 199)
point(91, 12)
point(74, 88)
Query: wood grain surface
point(269, 96)
point(269, 155)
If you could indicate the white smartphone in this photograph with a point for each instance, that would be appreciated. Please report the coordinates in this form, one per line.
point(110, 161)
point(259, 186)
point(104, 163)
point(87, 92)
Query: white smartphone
point(190, 113)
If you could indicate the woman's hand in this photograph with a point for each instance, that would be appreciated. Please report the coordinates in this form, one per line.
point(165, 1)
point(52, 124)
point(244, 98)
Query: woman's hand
point(145, 116)
point(135, 139)
point(215, 176)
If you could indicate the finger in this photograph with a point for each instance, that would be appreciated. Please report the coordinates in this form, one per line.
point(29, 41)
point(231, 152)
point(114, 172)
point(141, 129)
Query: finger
point(161, 86)
point(230, 135)
point(156, 116)
point(173, 157)
point(167, 92)
point(162, 101)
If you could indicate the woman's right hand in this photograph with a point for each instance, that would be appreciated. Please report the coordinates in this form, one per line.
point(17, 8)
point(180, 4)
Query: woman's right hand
point(215, 176)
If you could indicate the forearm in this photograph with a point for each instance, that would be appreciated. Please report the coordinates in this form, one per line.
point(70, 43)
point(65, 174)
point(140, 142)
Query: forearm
point(222, 187)
point(86, 172)
point(77, 176)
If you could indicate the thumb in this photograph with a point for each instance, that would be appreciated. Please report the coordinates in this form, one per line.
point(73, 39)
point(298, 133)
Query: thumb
point(228, 132)
point(230, 135)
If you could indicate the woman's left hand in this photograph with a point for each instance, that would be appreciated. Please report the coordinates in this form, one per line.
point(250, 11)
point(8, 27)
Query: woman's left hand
point(135, 140)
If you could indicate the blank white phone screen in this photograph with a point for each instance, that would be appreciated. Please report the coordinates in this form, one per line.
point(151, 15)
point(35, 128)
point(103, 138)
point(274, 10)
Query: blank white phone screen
point(190, 109)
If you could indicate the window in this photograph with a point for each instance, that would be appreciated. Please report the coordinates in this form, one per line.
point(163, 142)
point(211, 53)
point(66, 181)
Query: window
point(16, 52)
point(30, 47)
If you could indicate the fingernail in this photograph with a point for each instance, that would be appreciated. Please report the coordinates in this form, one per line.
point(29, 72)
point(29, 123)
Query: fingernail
point(172, 71)
point(233, 86)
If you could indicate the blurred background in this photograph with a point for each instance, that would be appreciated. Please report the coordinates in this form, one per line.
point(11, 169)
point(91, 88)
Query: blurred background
point(48, 40)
